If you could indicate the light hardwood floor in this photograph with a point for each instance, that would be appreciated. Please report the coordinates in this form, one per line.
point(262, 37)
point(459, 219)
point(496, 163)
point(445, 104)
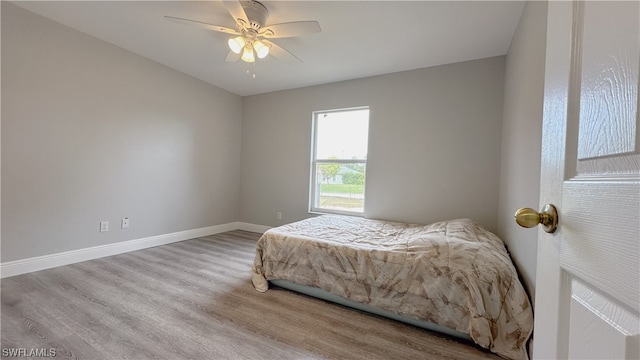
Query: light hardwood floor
point(194, 300)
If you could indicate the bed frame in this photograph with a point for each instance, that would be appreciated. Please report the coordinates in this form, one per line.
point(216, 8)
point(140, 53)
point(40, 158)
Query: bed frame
point(324, 295)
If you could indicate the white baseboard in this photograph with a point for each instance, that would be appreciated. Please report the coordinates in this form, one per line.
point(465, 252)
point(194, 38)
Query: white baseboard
point(24, 266)
point(253, 227)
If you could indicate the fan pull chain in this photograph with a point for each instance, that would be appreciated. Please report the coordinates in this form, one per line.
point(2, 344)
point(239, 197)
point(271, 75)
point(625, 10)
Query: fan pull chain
point(250, 73)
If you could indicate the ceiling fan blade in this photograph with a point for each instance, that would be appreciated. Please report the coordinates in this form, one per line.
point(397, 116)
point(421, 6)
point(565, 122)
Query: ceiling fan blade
point(237, 12)
point(203, 25)
point(232, 57)
point(290, 29)
point(280, 52)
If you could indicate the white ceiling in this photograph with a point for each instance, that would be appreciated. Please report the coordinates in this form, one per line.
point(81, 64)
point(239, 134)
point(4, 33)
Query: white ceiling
point(358, 38)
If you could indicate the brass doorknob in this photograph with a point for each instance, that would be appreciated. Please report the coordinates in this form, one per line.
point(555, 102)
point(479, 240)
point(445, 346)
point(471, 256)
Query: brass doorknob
point(548, 217)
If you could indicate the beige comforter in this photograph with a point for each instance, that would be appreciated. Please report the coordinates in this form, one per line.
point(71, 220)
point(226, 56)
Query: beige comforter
point(452, 273)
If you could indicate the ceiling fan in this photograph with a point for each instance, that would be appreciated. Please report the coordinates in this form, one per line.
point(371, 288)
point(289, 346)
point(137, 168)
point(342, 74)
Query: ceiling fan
point(250, 35)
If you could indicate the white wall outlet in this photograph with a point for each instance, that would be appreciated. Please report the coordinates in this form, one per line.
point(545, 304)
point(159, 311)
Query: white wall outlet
point(125, 223)
point(104, 226)
point(279, 215)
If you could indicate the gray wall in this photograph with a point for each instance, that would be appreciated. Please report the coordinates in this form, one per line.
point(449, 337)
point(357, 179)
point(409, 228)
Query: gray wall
point(434, 144)
point(522, 135)
point(92, 132)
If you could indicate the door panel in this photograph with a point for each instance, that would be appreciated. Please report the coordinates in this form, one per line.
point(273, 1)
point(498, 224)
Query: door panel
point(600, 330)
point(590, 268)
point(607, 40)
point(598, 245)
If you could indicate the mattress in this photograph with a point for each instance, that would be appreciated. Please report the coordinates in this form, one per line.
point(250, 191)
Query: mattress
point(452, 273)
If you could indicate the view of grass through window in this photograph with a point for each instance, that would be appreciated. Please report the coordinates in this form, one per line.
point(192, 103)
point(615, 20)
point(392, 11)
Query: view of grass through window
point(339, 162)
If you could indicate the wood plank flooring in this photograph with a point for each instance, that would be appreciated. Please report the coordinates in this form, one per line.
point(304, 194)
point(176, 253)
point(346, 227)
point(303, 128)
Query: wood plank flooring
point(194, 300)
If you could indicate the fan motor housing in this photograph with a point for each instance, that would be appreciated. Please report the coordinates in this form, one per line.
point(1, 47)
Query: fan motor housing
point(256, 13)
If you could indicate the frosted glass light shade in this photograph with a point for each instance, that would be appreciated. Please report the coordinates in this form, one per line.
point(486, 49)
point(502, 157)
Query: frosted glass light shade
point(261, 49)
point(236, 44)
point(247, 54)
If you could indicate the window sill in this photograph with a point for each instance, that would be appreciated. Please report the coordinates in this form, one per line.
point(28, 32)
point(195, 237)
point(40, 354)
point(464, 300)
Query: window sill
point(335, 212)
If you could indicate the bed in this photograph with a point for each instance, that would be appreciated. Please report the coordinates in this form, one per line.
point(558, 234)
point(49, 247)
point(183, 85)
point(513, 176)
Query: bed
point(452, 276)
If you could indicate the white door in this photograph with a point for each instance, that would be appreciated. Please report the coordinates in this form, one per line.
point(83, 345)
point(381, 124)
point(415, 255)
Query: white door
point(587, 303)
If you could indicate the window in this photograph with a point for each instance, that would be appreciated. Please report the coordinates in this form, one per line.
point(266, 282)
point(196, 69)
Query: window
point(339, 160)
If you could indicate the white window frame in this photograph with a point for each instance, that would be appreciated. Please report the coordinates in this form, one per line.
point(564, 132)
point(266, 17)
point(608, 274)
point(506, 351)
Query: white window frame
point(315, 162)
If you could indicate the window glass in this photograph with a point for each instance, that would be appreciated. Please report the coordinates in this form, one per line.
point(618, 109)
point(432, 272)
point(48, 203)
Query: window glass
point(340, 142)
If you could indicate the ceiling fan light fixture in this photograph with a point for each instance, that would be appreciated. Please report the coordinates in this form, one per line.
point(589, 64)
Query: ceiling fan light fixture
point(251, 36)
point(247, 54)
point(261, 49)
point(237, 44)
